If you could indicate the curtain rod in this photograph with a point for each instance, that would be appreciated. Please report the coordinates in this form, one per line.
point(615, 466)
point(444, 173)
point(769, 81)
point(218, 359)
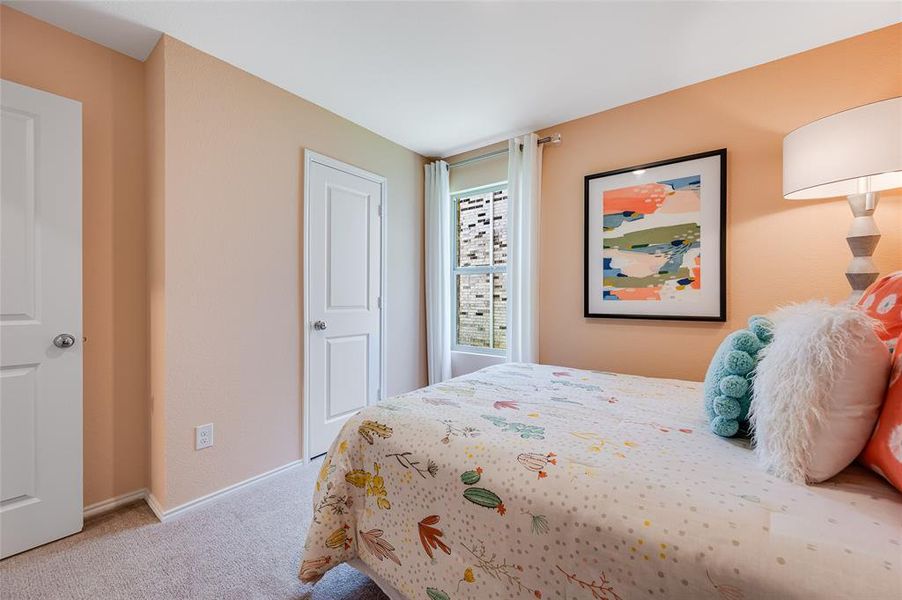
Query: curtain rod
point(551, 139)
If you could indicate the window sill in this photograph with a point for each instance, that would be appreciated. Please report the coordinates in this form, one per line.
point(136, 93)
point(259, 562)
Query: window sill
point(475, 351)
point(467, 361)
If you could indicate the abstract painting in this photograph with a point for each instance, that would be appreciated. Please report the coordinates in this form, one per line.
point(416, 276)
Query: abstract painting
point(652, 240)
point(651, 233)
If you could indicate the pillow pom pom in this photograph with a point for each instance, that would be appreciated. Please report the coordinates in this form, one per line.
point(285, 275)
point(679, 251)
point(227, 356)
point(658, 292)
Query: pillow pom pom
point(738, 362)
point(734, 386)
point(728, 382)
point(728, 408)
point(724, 427)
point(763, 328)
point(746, 341)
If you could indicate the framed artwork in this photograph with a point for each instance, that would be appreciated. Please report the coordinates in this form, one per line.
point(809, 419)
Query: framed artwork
point(655, 240)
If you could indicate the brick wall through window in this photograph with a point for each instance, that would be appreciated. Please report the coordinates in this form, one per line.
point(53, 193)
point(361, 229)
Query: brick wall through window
point(480, 269)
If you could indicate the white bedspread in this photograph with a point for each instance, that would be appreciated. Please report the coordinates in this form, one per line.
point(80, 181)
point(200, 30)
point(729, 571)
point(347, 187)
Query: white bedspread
point(537, 481)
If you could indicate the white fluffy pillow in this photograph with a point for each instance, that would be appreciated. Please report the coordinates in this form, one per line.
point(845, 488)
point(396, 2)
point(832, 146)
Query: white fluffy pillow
point(817, 391)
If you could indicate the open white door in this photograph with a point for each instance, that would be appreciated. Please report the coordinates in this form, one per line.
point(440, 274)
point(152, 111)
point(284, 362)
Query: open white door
point(343, 295)
point(40, 318)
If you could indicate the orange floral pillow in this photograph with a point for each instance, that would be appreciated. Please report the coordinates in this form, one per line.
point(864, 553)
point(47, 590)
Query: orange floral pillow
point(883, 452)
point(883, 301)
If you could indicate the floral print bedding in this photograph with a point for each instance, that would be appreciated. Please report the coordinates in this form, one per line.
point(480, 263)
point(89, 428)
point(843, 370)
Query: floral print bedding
point(533, 481)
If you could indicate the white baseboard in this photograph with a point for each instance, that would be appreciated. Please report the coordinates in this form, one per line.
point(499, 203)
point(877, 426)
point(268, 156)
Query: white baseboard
point(105, 506)
point(167, 515)
point(155, 506)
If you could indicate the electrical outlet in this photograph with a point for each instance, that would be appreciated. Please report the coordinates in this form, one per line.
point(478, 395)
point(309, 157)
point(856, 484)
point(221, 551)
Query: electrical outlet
point(203, 436)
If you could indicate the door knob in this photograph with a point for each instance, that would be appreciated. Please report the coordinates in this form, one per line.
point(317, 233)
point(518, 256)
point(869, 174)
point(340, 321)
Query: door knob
point(64, 340)
point(319, 325)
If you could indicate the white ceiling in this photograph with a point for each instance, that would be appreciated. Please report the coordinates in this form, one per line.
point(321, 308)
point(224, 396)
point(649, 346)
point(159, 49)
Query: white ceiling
point(440, 78)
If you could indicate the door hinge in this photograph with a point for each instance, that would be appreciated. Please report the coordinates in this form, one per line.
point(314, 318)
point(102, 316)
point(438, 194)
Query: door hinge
point(379, 301)
point(379, 210)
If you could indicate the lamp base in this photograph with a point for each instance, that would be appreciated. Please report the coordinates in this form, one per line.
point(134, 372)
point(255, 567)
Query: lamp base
point(862, 238)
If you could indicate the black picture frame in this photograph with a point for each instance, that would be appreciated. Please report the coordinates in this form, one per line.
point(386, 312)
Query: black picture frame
point(721, 315)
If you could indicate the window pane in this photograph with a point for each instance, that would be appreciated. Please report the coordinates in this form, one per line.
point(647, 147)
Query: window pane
point(499, 310)
point(499, 227)
point(473, 230)
point(473, 310)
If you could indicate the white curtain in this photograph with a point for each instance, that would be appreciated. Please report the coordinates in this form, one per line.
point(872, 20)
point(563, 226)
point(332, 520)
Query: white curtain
point(438, 272)
point(524, 191)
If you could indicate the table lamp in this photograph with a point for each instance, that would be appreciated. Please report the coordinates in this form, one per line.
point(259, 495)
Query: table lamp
point(856, 153)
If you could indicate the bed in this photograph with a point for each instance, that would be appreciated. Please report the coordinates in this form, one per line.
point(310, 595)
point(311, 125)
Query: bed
point(522, 481)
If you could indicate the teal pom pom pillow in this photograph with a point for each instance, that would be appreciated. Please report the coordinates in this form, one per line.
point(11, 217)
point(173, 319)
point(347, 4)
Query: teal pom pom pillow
point(728, 383)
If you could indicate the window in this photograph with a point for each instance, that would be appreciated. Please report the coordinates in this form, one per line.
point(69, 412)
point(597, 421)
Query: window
point(479, 265)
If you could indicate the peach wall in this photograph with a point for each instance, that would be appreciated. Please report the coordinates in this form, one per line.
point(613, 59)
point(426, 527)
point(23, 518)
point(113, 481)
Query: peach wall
point(110, 87)
point(778, 251)
point(231, 259)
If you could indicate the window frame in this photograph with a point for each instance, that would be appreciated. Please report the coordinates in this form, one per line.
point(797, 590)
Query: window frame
point(490, 269)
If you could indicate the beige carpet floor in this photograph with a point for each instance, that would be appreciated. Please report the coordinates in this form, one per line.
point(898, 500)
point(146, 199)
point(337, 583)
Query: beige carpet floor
point(242, 546)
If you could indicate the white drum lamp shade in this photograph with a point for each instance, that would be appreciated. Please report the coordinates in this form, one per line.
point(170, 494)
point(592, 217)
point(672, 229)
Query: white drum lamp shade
point(856, 153)
point(852, 152)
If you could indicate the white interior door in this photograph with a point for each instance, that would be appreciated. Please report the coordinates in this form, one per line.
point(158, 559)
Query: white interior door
point(40, 299)
point(343, 290)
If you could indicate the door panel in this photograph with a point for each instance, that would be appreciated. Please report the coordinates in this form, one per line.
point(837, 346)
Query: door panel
point(18, 387)
point(344, 237)
point(17, 228)
point(346, 392)
point(40, 298)
point(348, 243)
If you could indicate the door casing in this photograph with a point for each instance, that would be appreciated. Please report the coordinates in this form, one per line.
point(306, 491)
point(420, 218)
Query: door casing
point(311, 157)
